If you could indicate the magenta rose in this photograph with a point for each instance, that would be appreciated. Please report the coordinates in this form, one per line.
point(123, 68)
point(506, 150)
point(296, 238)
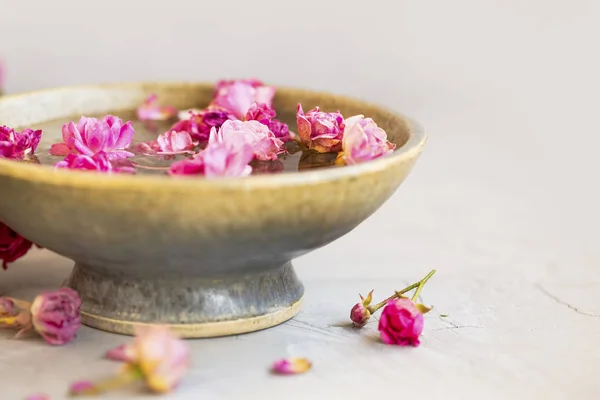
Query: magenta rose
point(401, 323)
point(18, 145)
point(55, 315)
point(12, 245)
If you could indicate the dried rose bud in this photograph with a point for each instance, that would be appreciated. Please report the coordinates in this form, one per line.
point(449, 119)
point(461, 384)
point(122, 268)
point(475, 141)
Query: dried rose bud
point(238, 96)
point(320, 131)
point(401, 323)
point(12, 245)
point(266, 116)
point(364, 140)
point(265, 146)
point(55, 315)
point(18, 145)
point(150, 110)
point(290, 366)
point(15, 314)
point(360, 313)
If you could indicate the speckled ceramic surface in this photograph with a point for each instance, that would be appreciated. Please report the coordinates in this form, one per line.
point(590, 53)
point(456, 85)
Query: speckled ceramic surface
point(209, 257)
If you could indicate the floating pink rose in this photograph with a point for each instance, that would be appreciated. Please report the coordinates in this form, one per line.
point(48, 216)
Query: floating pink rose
point(55, 315)
point(98, 162)
point(219, 159)
point(266, 116)
point(198, 124)
point(401, 323)
point(12, 245)
point(91, 136)
point(156, 356)
point(18, 145)
point(364, 140)
point(291, 366)
point(261, 140)
point(170, 142)
point(150, 110)
point(238, 96)
point(320, 131)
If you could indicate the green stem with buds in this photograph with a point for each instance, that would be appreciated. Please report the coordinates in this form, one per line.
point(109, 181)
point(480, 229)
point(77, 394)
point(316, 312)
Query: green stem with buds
point(125, 378)
point(417, 285)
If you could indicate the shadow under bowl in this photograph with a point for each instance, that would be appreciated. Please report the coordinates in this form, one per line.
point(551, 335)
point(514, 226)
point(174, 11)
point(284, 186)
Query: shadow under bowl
point(207, 257)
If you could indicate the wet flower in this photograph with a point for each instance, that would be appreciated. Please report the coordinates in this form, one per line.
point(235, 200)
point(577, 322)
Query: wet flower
point(55, 315)
point(266, 116)
point(221, 158)
point(18, 145)
point(364, 140)
point(401, 323)
point(238, 96)
point(170, 142)
point(97, 162)
point(12, 245)
point(290, 366)
point(150, 110)
point(261, 140)
point(156, 356)
point(91, 136)
point(320, 131)
point(198, 124)
point(360, 313)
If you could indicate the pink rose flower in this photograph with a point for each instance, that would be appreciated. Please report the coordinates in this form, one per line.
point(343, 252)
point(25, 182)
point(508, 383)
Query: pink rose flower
point(360, 314)
point(291, 366)
point(221, 158)
point(266, 116)
point(261, 140)
point(170, 142)
point(150, 110)
point(364, 140)
point(238, 96)
point(199, 124)
point(98, 162)
point(55, 315)
point(12, 245)
point(18, 145)
point(91, 136)
point(319, 130)
point(401, 323)
point(13, 315)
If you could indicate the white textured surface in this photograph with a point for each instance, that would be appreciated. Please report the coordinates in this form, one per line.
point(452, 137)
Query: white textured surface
point(503, 202)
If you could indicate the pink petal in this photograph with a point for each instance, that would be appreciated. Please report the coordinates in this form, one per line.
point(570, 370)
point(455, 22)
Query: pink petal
point(59, 149)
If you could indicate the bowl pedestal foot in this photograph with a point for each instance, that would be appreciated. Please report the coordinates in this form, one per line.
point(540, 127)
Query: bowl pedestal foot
point(193, 307)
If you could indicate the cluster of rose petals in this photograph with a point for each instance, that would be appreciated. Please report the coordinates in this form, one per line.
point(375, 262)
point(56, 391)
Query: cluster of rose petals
point(198, 124)
point(150, 110)
point(401, 323)
point(162, 358)
point(266, 116)
point(222, 157)
point(18, 145)
point(264, 144)
point(98, 162)
point(320, 131)
point(363, 140)
point(170, 142)
point(238, 96)
point(290, 366)
point(55, 315)
point(12, 245)
point(91, 136)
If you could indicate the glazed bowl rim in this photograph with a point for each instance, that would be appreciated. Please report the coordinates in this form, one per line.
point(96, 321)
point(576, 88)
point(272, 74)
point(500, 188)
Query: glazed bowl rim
point(49, 175)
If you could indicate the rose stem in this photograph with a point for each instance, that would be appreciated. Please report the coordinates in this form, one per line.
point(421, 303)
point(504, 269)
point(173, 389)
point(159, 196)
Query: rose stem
point(421, 284)
point(373, 309)
point(115, 382)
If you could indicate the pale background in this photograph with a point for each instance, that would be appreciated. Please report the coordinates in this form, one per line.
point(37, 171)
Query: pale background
point(504, 201)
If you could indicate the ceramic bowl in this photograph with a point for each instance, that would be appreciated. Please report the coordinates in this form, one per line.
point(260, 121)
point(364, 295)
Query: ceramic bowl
point(207, 257)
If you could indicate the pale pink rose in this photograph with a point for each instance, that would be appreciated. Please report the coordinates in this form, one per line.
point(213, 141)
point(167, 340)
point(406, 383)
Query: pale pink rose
point(220, 159)
point(91, 136)
point(401, 323)
point(238, 96)
point(266, 116)
point(264, 144)
point(291, 366)
point(364, 140)
point(162, 358)
point(12, 245)
point(198, 124)
point(98, 162)
point(18, 145)
point(320, 131)
point(55, 315)
point(170, 142)
point(150, 110)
